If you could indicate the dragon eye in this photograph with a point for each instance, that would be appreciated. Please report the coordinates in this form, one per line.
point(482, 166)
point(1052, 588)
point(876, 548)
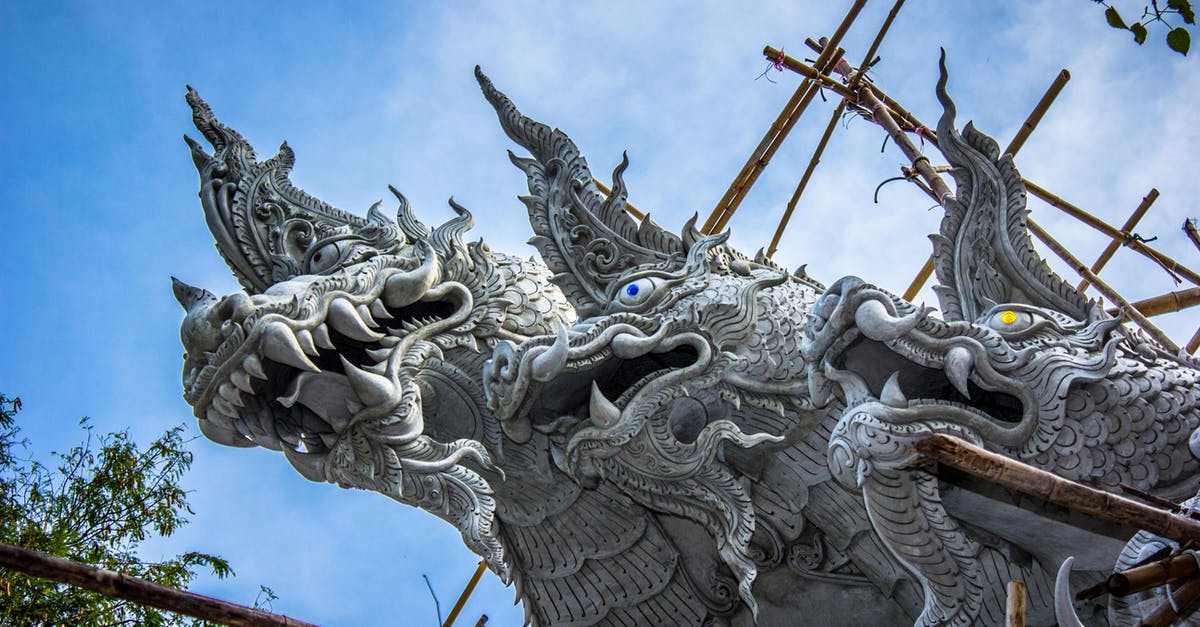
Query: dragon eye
point(1011, 321)
point(325, 258)
point(637, 292)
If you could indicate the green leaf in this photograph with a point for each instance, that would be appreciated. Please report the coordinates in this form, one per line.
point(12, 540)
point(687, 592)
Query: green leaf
point(1139, 33)
point(1114, 18)
point(1179, 40)
point(1185, 10)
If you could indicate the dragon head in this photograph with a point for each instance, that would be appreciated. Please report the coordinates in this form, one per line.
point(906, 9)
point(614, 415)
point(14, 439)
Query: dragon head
point(1020, 362)
point(356, 346)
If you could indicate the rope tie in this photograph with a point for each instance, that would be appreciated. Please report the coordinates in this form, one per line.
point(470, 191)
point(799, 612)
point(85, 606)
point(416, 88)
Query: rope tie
point(778, 60)
point(1134, 238)
point(920, 132)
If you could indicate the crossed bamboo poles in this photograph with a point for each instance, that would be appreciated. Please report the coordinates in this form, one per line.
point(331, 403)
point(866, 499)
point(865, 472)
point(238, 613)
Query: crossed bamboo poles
point(864, 97)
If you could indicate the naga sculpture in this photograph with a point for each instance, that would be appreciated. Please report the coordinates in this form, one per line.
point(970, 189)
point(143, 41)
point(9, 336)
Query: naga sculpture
point(653, 428)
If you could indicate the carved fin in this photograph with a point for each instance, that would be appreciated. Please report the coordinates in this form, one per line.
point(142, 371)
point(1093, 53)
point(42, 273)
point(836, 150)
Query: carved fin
point(983, 253)
point(587, 239)
point(265, 228)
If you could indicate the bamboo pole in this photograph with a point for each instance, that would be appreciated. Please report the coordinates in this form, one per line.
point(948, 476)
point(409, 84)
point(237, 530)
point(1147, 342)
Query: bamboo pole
point(1014, 475)
point(812, 166)
point(1152, 575)
point(466, 594)
point(918, 281)
point(633, 211)
point(1014, 614)
point(1183, 598)
point(1166, 303)
point(779, 129)
point(1116, 242)
point(1193, 343)
point(1102, 287)
point(1189, 228)
point(140, 591)
point(1039, 110)
point(861, 71)
point(1166, 262)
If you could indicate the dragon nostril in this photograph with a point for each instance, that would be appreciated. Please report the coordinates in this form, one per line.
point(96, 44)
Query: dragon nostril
point(234, 307)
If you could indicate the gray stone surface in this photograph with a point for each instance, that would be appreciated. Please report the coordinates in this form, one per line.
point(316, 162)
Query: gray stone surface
point(650, 427)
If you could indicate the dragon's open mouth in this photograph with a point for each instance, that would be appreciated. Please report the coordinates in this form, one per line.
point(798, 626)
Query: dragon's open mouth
point(295, 366)
point(875, 362)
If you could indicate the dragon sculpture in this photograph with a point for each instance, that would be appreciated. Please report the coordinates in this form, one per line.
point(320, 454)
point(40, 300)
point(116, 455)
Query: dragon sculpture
point(653, 428)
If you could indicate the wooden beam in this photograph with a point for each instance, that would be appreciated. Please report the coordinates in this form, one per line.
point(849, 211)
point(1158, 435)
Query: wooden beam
point(1102, 287)
point(1014, 475)
point(1116, 242)
point(140, 591)
point(1014, 614)
point(1039, 110)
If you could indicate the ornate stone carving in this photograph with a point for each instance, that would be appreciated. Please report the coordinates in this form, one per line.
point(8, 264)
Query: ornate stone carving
point(653, 428)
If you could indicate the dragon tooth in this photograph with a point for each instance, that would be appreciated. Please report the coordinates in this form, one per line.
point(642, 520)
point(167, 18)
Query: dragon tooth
point(305, 338)
point(602, 411)
point(344, 318)
point(215, 416)
point(379, 354)
point(223, 435)
point(372, 389)
point(550, 362)
point(321, 336)
point(253, 365)
point(310, 465)
point(892, 394)
point(279, 344)
point(958, 364)
point(365, 313)
point(379, 311)
point(224, 406)
point(242, 381)
point(229, 392)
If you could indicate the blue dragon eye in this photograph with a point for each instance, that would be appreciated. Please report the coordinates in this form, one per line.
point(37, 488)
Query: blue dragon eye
point(632, 290)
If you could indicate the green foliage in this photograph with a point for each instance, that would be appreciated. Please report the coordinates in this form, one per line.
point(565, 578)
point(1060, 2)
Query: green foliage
point(1178, 37)
point(100, 502)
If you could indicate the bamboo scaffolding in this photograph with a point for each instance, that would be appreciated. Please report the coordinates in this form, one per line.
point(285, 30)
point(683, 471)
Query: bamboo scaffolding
point(1189, 228)
point(919, 281)
point(1014, 475)
point(778, 131)
point(1014, 614)
point(1193, 343)
point(140, 591)
point(841, 66)
point(466, 594)
point(633, 211)
point(1039, 110)
point(808, 172)
point(1183, 598)
point(1102, 287)
point(1129, 239)
point(1153, 575)
point(1116, 242)
point(1170, 302)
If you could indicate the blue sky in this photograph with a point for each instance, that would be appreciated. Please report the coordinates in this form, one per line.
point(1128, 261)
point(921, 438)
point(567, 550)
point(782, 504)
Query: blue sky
point(98, 194)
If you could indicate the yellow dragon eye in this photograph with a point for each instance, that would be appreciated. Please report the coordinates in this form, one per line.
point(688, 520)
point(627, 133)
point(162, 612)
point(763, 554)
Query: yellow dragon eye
point(1008, 317)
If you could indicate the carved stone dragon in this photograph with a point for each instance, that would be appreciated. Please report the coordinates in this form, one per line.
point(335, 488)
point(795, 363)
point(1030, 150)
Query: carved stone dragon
point(653, 428)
